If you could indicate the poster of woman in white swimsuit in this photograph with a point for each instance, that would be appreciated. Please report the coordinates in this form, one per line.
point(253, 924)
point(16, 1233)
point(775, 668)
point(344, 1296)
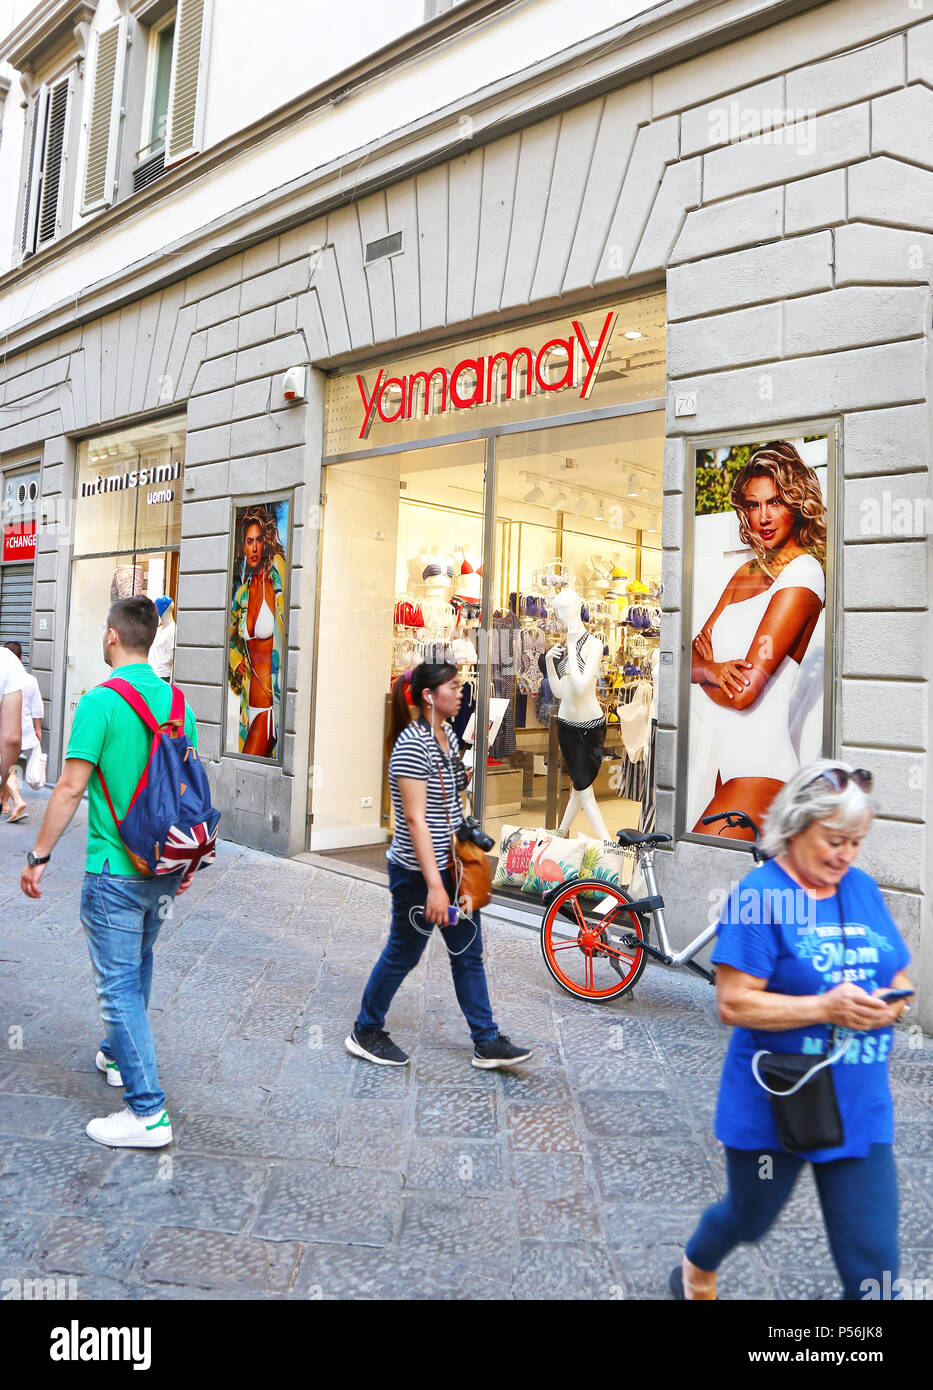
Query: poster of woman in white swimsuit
point(257, 628)
point(757, 670)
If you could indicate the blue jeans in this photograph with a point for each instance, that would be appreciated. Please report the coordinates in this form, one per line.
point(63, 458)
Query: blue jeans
point(121, 915)
point(403, 950)
point(858, 1197)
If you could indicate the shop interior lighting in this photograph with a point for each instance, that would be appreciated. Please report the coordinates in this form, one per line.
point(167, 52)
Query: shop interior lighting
point(535, 495)
point(600, 512)
point(633, 335)
point(558, 501)
point(632, 486)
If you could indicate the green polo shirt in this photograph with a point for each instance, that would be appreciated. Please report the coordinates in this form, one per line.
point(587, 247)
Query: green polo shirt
point(111, 735)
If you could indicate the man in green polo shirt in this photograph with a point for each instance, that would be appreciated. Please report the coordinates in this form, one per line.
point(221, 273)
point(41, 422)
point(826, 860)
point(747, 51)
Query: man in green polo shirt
point(121, 910)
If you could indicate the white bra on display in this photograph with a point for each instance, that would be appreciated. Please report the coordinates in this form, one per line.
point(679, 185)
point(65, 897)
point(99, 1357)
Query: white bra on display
point(264, 625)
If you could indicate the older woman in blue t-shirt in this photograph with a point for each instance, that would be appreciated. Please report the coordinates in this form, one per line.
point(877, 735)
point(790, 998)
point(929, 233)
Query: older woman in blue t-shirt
point(806, 946)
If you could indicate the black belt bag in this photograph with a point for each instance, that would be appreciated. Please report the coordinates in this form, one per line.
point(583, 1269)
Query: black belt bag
point(803, 1098)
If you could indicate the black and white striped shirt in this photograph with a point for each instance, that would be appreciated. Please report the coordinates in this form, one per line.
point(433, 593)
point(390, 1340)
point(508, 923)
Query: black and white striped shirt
point(417, 754)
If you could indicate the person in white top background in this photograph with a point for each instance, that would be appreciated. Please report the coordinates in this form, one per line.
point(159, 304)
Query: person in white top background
point(30, 736)
point(12, 681)
point(162, 651)
point(747, 655)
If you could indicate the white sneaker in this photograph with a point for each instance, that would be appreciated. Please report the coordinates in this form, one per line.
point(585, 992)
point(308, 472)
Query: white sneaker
point(110, 1070)
point(124, 1130)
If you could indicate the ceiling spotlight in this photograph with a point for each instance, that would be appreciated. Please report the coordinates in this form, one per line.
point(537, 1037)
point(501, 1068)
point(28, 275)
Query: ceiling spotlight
point(652, 527)
point(559, 501)
point(632, 486)
point(600, 512)
point(535, 495)
point(633, 335)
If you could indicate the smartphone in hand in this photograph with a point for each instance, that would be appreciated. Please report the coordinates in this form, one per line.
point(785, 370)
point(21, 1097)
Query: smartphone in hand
point(891, 996)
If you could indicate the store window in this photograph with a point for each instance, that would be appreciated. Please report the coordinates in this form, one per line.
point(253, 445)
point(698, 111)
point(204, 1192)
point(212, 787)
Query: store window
point(127, 532)
point(17, 565)
point(460, 547)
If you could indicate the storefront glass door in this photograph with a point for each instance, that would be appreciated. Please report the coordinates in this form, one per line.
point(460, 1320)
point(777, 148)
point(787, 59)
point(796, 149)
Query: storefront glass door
point(401, 582)
point(580, 507)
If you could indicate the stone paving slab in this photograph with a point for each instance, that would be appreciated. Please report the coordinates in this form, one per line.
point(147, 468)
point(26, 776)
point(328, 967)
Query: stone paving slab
point(301, 1172)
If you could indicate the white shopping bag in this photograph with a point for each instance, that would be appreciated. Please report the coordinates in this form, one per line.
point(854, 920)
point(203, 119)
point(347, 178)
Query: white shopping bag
point(35, 768)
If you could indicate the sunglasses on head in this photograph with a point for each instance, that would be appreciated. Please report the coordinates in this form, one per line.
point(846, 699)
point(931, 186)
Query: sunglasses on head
point(838, 778)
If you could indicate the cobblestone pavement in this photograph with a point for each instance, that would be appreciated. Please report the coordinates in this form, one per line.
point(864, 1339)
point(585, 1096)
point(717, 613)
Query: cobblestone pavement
point(300, 1172)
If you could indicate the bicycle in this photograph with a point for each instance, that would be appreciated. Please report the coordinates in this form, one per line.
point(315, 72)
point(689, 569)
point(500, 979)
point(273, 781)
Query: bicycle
point(594, 908)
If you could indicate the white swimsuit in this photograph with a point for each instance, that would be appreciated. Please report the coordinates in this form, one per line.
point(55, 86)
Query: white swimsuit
point(263, 628)
point(756, 742)
point(264, 625)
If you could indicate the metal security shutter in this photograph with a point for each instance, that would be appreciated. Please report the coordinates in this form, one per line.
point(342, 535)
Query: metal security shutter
point(104, 123)
point(184, 127)
point(53, 172)
point(16, 605)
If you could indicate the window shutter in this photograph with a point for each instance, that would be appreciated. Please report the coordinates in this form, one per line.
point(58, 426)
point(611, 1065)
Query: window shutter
point(104, 124)
point(185, 123)
point(33, 180)
point(53, 172)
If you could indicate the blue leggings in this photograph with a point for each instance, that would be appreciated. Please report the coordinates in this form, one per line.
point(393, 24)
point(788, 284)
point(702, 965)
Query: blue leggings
point(858, 1197)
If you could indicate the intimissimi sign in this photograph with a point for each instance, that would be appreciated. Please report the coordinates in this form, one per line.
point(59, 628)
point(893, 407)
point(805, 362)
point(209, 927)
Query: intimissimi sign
point(136, 477)
point(560, 364)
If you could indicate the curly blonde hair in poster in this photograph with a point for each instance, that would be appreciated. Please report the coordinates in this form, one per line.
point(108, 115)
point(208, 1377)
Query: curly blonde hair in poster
point(797, 487)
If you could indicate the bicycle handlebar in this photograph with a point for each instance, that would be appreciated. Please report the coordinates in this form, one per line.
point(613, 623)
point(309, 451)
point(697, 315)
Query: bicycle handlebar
point(737, 820)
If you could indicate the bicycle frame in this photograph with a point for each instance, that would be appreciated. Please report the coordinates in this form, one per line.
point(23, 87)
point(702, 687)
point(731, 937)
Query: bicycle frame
point(692, 948)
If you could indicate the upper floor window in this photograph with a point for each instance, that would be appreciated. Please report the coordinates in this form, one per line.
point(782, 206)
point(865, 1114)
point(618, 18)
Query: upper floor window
point(162, 48)
point(47, 148)
point(147, 97)
point(150, 157)
point(47, 48)
point(173, 110)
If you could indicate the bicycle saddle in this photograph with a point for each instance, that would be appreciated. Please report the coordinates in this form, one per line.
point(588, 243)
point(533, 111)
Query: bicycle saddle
point(632, 838)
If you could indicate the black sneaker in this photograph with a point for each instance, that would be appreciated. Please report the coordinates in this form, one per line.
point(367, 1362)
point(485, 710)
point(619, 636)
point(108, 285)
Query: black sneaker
point(501, 1052)
point(376, 1046)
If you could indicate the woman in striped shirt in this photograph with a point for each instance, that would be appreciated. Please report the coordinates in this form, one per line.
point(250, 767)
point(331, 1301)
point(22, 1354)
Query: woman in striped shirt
point(426, 778)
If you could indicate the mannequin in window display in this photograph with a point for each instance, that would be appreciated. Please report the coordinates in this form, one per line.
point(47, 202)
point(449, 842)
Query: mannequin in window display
point(162, 651)
point(437, 578)
point(581, 724)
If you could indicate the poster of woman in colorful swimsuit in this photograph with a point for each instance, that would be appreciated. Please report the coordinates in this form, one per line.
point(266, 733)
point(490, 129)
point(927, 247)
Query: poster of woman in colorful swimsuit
point(758, 624)
point(257, 628)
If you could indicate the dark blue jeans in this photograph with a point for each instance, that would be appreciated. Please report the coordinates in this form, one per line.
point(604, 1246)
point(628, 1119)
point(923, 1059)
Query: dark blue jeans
point(859, 1201)
point(403, 950)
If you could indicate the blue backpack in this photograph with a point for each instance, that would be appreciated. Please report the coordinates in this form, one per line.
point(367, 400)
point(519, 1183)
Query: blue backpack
point(170, 824)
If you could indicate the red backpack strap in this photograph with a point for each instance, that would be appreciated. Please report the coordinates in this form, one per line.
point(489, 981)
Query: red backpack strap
point(107, 795)
point(133, 698)
point(176, 715)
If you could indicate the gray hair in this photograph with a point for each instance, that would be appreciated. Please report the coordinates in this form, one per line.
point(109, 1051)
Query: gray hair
point(804, 799)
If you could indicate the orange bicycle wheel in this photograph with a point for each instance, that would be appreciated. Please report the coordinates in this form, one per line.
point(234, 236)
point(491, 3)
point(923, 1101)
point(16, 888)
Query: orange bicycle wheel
point(582, 940)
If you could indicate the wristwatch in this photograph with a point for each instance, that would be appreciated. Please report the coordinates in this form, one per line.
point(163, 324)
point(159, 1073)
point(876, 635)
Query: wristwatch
point(33, 859)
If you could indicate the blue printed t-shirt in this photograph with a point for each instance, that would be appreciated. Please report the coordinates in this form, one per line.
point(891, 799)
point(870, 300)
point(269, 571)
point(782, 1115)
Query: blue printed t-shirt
point(110, 734)
point(773, 929)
